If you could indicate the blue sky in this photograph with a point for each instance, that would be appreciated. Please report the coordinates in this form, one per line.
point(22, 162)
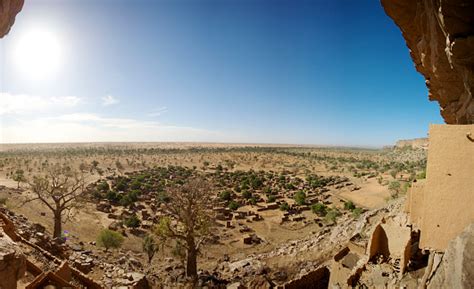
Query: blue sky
point(300, 72)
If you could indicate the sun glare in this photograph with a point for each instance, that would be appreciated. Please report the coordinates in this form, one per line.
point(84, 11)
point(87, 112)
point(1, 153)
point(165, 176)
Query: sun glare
point(38, 54)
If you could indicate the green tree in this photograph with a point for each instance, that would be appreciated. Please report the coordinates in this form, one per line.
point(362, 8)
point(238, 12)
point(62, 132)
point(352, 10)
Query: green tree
point(332, 214)
point(225, 195)
point(349, 205)
point(109, 239)
point(150, 247)
point(132, 222)
point(246, 194)
point(233, 205)
point(19, 177)
point(319, 209)
point(394, 188)
point(300, 198)
point(284, 206)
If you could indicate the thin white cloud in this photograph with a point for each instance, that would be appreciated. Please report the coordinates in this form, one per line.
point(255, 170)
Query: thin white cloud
point(87, 127)
point(109, 100)
point(158, 112)
point(24, 103)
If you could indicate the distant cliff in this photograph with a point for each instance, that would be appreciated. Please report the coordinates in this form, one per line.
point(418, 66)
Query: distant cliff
point(417, 143)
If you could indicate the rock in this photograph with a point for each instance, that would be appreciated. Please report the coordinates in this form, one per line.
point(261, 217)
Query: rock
point(260, 282)
point(456, 269)
point(235, 285)
point(115, 226)
point(8, 11)
point(38, 228)
point(12, 263)
point(440, 36)
point(103, 207)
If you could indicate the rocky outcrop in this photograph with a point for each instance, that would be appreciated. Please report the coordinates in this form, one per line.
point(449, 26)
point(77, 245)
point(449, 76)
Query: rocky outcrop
point(417, 143)
point(12, 262)
point(8, 11)
point(456, 269)
point(440, 36)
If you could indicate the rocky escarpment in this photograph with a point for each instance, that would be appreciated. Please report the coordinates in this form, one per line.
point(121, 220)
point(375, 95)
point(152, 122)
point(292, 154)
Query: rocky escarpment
point(440, 36)
point(8, 11)
point(417, 143)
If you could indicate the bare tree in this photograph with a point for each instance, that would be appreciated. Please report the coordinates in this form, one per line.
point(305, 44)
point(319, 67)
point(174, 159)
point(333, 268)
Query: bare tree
point(60, 190)
point(190, 217)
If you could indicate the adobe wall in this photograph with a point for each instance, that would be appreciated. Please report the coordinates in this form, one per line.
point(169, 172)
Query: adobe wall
point(448, 193)
point(415, 202)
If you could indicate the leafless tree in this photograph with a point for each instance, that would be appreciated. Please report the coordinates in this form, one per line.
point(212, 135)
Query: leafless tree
point(190, 217)
point(60, 189)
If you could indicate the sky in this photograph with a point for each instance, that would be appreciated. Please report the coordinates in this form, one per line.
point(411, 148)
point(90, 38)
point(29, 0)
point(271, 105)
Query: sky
point(322, 72)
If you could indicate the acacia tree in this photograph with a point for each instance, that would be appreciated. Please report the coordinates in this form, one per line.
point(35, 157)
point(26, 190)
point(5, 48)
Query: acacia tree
point(189, 218)
point(60, 190)
point(19, 177)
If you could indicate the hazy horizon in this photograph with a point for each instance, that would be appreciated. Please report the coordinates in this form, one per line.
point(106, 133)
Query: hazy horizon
point(322, 73)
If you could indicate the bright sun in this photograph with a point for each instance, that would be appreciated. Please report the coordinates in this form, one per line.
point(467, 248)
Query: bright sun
point(38, 53)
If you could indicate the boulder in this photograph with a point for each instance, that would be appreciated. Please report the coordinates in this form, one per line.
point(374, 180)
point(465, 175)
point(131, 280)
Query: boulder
point(12, 263)
point(456, 269)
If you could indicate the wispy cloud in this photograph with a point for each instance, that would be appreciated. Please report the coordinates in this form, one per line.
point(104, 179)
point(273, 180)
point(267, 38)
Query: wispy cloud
point(88, 127)
point(109, 100)
point(158, 112)
point(24, 103)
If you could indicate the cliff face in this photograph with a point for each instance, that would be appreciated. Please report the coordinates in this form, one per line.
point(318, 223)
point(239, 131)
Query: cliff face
point(440, 36)
point(8, 11)
point(417, 143)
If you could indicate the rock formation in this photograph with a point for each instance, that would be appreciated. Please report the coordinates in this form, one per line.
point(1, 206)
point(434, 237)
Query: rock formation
point(440, 36)
point(457, 268)
point(8, 10)
point(12, 262)
point(417, 143)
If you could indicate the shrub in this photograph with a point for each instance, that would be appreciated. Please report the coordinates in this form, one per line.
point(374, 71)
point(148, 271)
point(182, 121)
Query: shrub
point(103, 187)
point(356, 212)
point(394, 188)
point(284, 206)
point(271, 198)
point(132, 222)
point(162, 197)
point(113, 197)
point(319, 209)
point(332, 214)
point(246, 194)
point(109, 239)
point(300, 198)
point(149, 247)
point(136, 184)
point(130, 198)
point(253, 201)
point(349, 205)
point(233, 205)
point(421, 175)
point(225, 196)
point(121, 185)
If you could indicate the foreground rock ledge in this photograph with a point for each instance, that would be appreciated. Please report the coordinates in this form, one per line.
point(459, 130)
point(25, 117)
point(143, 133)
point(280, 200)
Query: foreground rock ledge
point(440, 36)
point(12, 263)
